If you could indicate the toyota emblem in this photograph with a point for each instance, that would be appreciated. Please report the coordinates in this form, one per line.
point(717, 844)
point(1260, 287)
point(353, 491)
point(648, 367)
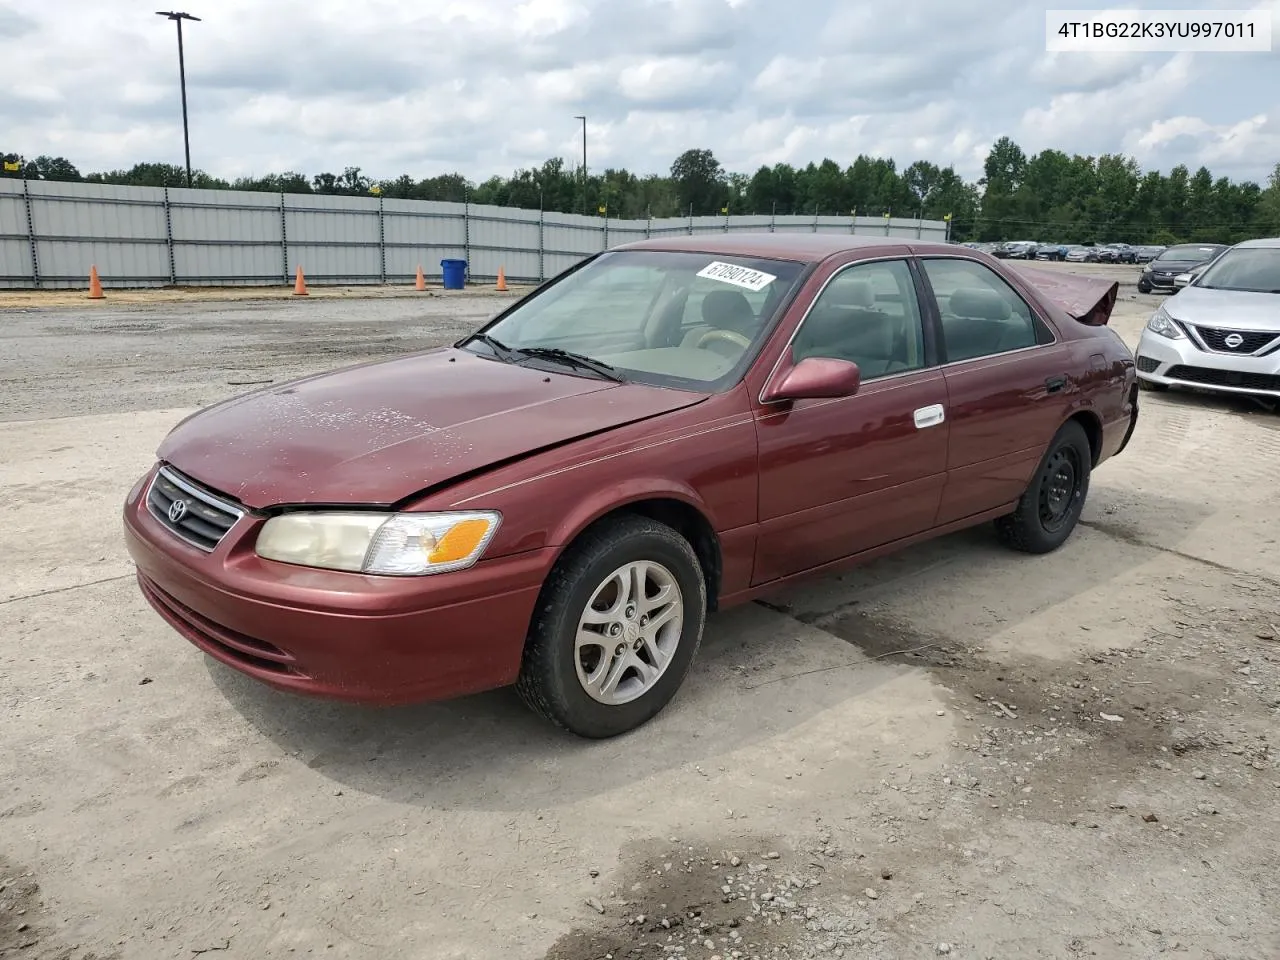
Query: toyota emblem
point(177, 510)
point(1233, 340)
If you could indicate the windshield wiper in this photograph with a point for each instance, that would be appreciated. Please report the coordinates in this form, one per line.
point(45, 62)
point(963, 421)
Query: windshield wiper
point(503, 352)
point(556, 355)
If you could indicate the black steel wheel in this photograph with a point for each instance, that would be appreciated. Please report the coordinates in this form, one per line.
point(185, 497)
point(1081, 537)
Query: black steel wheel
point(1051, 506)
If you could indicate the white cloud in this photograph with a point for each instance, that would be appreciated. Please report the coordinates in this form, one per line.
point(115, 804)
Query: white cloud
point(1214, 145)
point(1100, 120)
point(690, 80)
point(485, 86)
point(1087, 71)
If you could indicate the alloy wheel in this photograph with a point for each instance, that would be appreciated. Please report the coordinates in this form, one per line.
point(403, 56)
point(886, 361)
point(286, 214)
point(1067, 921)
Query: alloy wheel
point(628, 633)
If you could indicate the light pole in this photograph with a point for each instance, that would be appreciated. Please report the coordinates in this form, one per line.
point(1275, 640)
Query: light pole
point(584, 164)
point(177, 17)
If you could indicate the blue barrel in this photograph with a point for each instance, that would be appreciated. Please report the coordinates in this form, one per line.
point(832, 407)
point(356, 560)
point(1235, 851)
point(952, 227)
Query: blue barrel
point(455, 274)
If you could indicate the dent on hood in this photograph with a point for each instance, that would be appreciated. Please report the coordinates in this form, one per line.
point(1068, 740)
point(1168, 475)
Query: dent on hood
point(379, 440)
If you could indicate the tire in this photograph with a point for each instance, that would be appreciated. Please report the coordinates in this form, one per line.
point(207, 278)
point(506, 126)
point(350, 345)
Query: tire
point(555, 672)
point(1048, 513)
point(1144, 288)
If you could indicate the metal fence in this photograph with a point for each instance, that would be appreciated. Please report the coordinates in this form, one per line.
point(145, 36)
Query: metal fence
point(51, 234)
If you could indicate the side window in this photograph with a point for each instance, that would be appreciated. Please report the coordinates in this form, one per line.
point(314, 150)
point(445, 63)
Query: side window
point(981, 314)
point(869, 314)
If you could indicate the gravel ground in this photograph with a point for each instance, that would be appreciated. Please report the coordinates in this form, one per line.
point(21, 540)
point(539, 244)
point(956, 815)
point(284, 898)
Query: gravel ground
point(956, 751)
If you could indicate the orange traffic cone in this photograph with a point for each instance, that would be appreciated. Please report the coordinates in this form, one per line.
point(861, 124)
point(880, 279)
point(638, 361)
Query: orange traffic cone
point(421, 282)
point(502, 279)
point(299, 285)
point(95, 285)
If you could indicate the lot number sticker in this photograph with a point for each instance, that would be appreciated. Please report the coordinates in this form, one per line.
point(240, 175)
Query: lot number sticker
point(753, 280)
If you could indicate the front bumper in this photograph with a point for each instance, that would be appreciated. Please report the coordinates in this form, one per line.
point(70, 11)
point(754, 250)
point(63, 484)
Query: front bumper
point(338, 635)
point(1181, 363)
point(1155, 280)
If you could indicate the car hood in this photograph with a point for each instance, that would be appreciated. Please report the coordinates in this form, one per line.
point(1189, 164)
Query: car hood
point(1175, 266)
point(381, 432)
point(1087, 299)
point(1230, 309)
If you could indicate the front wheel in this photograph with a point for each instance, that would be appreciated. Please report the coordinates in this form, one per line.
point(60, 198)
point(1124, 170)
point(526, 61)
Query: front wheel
point(616, 629)
point(1051, 506)
point(1144, 287)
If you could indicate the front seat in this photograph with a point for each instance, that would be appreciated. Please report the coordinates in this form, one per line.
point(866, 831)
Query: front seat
point(725, 310)
point(845, 325)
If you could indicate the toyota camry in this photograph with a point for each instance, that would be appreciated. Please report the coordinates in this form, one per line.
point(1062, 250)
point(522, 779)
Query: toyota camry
point(558, 500)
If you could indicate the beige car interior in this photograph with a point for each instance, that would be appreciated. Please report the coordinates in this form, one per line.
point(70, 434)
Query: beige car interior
point(978, 322)
point(847, 324)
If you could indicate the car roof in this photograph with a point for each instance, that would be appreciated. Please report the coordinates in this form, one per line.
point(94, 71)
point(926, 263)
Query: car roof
point(804, 247)
point(1261, 242)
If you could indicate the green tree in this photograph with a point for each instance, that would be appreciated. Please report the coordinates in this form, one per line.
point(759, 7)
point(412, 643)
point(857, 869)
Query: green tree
point(700, 182)
point(1051, 196)
point(289, 182)
point(1003, 172)
point(1267, 219)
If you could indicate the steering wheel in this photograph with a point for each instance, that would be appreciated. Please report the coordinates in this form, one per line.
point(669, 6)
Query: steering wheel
point(729, 336)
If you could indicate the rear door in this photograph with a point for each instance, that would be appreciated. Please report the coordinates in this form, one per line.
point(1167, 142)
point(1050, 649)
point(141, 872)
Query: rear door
point(1008, 383)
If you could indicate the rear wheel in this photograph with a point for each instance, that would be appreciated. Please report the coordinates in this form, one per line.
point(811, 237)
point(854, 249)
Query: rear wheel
point(1051, 506)
point(617, 627)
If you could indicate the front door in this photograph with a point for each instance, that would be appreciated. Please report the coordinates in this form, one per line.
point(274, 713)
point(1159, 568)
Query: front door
point(841, 476)
point(1008, 385)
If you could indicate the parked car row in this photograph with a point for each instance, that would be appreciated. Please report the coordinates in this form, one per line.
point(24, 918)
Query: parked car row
point(1073, 252)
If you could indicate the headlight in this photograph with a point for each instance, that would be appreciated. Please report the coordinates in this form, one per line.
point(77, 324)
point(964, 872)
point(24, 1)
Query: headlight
point(392, 544)
point(1164, 325)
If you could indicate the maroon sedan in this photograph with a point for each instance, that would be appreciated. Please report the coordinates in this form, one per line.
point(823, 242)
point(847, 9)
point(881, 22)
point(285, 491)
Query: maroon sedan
point(672, 427)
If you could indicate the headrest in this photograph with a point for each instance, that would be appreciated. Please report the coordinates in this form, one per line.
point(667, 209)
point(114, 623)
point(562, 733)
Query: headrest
point(851, 293)
point(979, 302)
point(726, 309)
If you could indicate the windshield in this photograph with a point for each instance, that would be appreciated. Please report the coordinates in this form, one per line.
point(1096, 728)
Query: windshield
point(1255, 269)
point(1191, 252)
point(679, 319)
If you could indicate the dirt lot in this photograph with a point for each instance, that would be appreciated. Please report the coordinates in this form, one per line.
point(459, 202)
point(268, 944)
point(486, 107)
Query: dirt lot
point(957, 751)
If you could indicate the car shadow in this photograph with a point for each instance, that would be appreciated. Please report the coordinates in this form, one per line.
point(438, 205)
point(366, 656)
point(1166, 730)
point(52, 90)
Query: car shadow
point(1228, 403)
point(758, 674)
point(764, 669)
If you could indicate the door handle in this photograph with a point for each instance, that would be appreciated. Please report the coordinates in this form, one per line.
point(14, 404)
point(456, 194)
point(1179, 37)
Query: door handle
point(929, 416)
point(1055, 384)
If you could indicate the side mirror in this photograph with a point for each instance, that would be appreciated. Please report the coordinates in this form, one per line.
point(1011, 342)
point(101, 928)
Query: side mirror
point(814, 378)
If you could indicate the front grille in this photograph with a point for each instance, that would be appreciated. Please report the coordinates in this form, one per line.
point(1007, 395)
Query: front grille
point(1147, 365)
point(1251, 341)
point(190, 512)
point(1225, 378)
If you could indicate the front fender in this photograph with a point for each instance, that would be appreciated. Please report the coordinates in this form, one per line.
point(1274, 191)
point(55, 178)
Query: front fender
point(623, 494)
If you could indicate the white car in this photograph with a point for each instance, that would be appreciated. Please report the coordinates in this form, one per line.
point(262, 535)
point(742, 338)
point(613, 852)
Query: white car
point(1222, 330)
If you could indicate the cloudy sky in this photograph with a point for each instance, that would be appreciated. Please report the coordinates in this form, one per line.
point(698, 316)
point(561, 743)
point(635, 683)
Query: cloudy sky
point(486, 86)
